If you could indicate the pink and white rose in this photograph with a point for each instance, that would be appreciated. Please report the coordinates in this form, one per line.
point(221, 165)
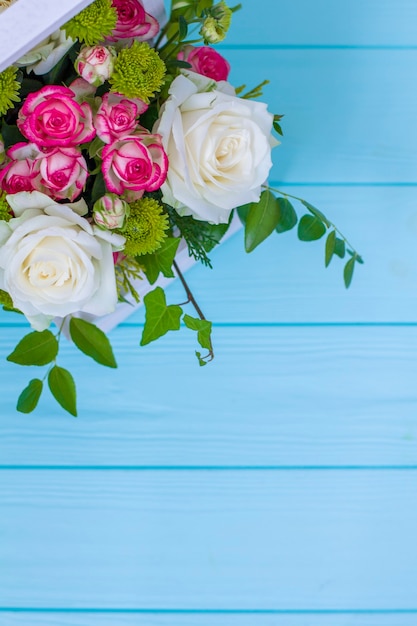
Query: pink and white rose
point(20, 173)
point(133, 22)
point(52, 117)
point(95, 64)
point(134, 164)
point(116, 116)
point(110, 211)
point(206, 61)
point(63, 173)
point(218, 146)
point(53, 263)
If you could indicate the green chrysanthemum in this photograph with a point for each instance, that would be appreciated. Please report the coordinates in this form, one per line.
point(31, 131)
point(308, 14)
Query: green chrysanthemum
point(5, 209)
point(138, 72)
point(9, 89)
point(145, 228)
point(216, 25)
point(93, 24)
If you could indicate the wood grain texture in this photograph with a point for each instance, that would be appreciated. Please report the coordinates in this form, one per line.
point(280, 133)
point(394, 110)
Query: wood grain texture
point(210, 619)
point(312, 396)
point(209, 540)
point(325, 22)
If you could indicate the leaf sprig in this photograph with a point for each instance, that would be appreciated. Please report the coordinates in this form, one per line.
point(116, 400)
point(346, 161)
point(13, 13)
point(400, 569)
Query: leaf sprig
point(273, 213)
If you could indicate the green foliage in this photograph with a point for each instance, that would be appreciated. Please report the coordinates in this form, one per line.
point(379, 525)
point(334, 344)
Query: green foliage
point(29, 398)
point(348, 271)
point(203, 329)
point(36, 348)
point(277, 125)
point(92, 341)
point(62, 386)
point(288, 217)
point(261, 219)
point(161, 260)
point(160, 317)
point(310, 228)
point(330, 247)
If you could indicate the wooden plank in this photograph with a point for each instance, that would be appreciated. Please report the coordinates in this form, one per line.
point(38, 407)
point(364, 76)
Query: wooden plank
point(325, 22)
point(283, 540)
point(209, 619)
point(336, 127)
point(313, 396)
point(284, 280)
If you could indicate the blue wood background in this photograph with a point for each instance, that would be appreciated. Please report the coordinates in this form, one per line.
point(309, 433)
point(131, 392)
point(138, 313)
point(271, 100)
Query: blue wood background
point(278, 485)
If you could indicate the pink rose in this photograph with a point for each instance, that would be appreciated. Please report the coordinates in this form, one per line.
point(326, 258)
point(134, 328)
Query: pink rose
point(133, 21)
point(116, 116)
point(134, 164)
point(52, 117)
point(63, 173)
point(206, 61)
point(20, 173)
point(95, 64)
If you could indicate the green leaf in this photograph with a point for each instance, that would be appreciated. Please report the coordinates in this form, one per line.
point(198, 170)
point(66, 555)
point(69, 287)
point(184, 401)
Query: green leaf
point(92, 341)
point(201, 360)
point(159, 318)
point(340, 248)
point(62, 387)
point(182, 28)
point(262, 218)
point(316, 213)
point(29, 398)
point(37, 348)
point(243, 211)
point(11, 134)
point(214, 233)
point(348, 271)
point(330, 246)
point(161, 260)
point(310, 228)
point(99, 188)
point(203, 328)
point(288, 217)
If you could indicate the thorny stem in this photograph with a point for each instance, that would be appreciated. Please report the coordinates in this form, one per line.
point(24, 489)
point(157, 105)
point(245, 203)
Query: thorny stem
point(190, 298)
point(289, 195)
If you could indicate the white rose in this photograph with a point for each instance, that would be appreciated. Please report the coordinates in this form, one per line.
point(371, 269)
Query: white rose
point(53, 262)
point(43, 57)
point(218, 146)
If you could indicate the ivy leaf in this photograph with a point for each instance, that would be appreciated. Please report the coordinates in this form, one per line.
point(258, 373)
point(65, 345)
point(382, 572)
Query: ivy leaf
point(340, 248)
point(37, 348)
point(200, 359)
point(62, 386)
point(310, 228)
point(161, 260)
point(29, 398)
point(262, 218)
point(348, 271)
point(330, 246)
point(160, 318)
point(92, 341)
point(203, 328)
point(316, 213)
point(288, 217)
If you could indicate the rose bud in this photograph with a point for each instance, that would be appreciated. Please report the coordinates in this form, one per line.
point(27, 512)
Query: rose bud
point(110, 211)
point(95, 64)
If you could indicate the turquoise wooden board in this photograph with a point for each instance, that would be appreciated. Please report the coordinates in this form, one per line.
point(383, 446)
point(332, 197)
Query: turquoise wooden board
point(282, 478)
point(314, 396)
point(209, 540)
point(325, 22)
point(304, 618)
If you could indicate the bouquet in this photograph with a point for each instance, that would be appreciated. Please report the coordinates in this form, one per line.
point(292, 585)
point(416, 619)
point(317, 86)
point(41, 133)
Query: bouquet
point(122, 140)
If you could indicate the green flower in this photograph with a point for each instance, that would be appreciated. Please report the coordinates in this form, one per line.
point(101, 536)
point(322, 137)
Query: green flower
point(216, 25)
point(138, 72)
point(5, 209)
point(145, 228)
point(9, 89)
point(93, 24)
